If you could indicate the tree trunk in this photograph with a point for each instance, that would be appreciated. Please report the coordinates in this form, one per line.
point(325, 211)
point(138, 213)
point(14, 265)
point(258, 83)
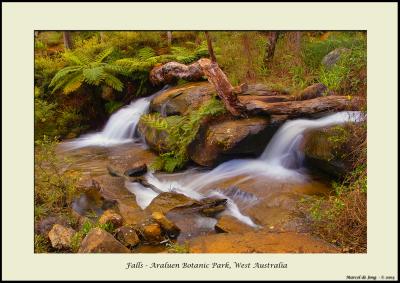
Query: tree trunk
point(67, 40)
point(169, 37)
point(102, 37)
point(210, 48)
point(297, 42)
point(272, 38)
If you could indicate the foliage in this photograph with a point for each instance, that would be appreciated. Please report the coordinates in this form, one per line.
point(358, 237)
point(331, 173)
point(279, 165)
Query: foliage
point(54, 189)
point(178, 248)
point(41, 244)
point(89, 69)
point(348, 74)
point(113, 106)
point(341, 218)
point(181, 131)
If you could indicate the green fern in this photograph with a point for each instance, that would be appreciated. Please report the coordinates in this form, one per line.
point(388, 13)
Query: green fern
point(181, 131)
point(90, 69)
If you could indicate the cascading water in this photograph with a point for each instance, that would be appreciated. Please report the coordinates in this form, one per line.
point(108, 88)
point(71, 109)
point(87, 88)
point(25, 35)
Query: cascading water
point(120, 128)
point(279, 161)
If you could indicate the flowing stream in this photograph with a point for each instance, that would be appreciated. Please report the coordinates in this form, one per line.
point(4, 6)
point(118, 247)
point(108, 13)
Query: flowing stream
point(281, 161)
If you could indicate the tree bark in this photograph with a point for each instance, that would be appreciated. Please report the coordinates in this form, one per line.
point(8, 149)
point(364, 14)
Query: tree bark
point(222, 85)
point(272, 38)
point(303, 108)
point(169, 38)
point(67, 40)
point(172, 71)
point(210, 47)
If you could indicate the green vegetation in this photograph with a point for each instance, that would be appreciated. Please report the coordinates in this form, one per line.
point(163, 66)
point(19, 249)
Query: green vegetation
point(178, 248)
point(181, 131)
point(54, 188)
point(341, 218)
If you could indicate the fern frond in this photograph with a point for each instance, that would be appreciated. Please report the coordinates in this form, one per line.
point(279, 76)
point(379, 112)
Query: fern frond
point(62, 73)
point(113, 82)
point(146, 53)
point(103, 55)
point(117, 69)
point(94, 75)
point(63, 81)
point(73, 84)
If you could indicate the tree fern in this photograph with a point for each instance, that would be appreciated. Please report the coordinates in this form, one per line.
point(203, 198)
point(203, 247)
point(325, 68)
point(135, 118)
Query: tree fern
point(89, 69)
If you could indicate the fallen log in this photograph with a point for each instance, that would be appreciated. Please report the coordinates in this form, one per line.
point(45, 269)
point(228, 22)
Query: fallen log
point(303, 108)
point(172, 71)
point(222, 86)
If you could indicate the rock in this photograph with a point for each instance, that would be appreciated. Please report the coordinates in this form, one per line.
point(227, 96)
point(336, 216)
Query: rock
point(152, 232)
point(110, 216)
point(223, 140)
point(127, 235)
point(100, 241)
point(137, 171)
point(155, 138)
point(260, 242)
point(229, 224)
point(167, 225)
point(304, 108)
point(332, 57)
point(312, 91)
point(164, 202)
point(60, 237)
point(212, 211)
point(326, 150)
point(182, 99)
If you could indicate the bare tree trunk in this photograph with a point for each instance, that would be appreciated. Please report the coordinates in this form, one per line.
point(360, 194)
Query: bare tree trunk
point(270, 50)
point(250, 73)
point(210, 48)
point(169, 36)
point(67, 40)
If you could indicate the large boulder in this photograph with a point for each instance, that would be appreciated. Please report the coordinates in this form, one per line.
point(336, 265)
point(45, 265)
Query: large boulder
point(100, 241)
point(223, 140)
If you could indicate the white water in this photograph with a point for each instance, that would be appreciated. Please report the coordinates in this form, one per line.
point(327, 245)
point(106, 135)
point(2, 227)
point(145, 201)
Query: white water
point(280, 161)
point(120, 128)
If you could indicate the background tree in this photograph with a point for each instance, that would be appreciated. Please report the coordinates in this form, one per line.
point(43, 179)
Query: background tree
point(67, 40)
point(272, 38)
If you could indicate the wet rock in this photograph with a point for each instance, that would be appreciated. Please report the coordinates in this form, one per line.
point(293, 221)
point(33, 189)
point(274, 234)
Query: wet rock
point(327, 150)
point(222, 140)
point(166, 201)
point(212, 206)
point(152, 232)
point(60, 236)
point(212, 211)
point(137, 171)
point(100, 241)
point(312, 91)
point(127, 235)
point(167, 225)
point(260, 242)
point(182, 99)
point(333, 57)
point(230, 224)
point(111, 217)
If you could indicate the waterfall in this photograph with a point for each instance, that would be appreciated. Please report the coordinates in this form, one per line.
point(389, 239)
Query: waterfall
point(279, 161)
point(120, 127)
